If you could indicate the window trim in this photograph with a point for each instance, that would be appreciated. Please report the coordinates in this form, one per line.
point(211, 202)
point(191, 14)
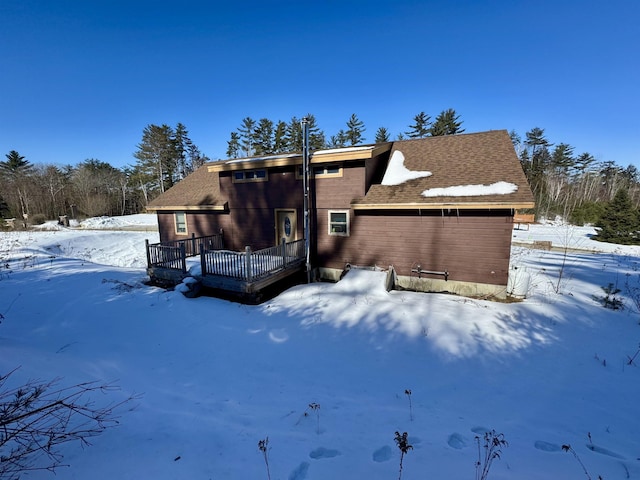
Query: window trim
point(176, 223)
point(314, 174)
point(244, 178)
point(347, 224)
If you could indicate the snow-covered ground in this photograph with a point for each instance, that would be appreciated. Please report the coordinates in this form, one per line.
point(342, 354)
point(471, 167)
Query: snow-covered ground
point(217, 377)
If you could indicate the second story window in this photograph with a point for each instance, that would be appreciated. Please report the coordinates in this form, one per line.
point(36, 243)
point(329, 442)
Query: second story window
point(259, 175)
point(323, 171)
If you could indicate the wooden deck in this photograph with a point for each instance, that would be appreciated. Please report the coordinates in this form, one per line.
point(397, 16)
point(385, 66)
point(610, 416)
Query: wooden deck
point(204, 258)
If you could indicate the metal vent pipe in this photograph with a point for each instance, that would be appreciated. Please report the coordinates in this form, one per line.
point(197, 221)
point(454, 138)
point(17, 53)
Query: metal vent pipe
point(305, 186)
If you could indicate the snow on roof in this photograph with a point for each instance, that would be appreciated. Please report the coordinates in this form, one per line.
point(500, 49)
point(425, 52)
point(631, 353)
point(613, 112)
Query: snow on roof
point(498, 188)
point(397, 173)
point(258, 159)
point(343, 149)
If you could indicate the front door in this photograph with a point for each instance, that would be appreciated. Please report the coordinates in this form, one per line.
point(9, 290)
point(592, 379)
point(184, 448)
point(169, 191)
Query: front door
point(286, 225)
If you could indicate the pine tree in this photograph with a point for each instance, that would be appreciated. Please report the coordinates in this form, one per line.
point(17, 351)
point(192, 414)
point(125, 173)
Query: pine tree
point(280, 137)
point(339, 140)
point(355, 130)
point(15, 175)
point(182, 145)
point(316, 136)
point(446, 123)
point(420, 127)
point(247, 136)
point(562, 159)
point(538, 160)
point(620, 222)
point(263, 137)
point(382, 135)
point(15, 164)
point(293, 135)
point(157, 157)
point(233, 145)
point(195, 158)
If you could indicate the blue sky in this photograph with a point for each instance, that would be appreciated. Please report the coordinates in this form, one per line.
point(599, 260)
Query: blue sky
point(82, 78)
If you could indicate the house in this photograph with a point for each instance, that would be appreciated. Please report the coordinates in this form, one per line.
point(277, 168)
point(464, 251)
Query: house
point(437, 210)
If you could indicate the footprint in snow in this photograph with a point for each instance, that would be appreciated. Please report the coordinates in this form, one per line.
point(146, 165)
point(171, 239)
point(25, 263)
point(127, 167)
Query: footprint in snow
point(546, 446)
point(321, 452)
point(603, 451)
point(480, 430)
point(383, 454)
point(456, 441)
point(300, 472)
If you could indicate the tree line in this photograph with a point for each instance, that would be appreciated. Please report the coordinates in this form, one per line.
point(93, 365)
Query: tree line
point(34, 193)
point(266, 137)
point(574, 186)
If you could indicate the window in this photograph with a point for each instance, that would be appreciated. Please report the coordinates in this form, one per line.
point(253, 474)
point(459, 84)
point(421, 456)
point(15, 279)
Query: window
point(327, 170)
point(250, 176)
point(181, 223)
point(339, 222)
point(322, 171)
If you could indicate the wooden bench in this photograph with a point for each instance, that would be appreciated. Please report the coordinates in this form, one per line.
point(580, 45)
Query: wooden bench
point(524, 219)
point(542, 245)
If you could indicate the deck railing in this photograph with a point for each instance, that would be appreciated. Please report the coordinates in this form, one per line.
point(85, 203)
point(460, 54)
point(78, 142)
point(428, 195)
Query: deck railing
point(173, 254)
point(250, 266)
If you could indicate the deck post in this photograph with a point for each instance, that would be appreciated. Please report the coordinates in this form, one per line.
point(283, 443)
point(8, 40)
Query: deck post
point(284, 252)
point(193, 243)
point(146, 245)
point(203, 262)
point(247, 266)
point(183, 257)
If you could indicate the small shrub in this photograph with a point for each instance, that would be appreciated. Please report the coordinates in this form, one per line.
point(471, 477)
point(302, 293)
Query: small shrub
point(588, 212)
point(407, 392)
point(569, 448)
point(402, 441)
point(610, 299)
point(37, 417)
point(263, 446)
point(316, 408)
point(37, 219)
point(493, 444)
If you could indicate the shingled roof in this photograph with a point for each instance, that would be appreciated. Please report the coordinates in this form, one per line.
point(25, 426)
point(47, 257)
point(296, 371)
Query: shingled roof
point(198, 191)
point(476, 164)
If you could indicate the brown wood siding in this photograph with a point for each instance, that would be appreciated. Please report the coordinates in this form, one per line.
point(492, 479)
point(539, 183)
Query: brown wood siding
point(472, 248)
point(338, 192)
point(251, 219)
point(198, 223)
point(281, 190)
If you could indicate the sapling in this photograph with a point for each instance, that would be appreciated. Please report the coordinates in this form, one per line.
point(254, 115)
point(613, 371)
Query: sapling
point(569, 448)
point(407, 392)
point(316, 408)
point(610, 299)
point(493, 444)
point(38, 417)
point(632, 359)
point(263, 446)
point(403, 444)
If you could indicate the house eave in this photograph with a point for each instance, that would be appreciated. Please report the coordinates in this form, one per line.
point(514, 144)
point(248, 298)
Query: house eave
point(319, 157)
point(181, 208)
point(443, 205)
